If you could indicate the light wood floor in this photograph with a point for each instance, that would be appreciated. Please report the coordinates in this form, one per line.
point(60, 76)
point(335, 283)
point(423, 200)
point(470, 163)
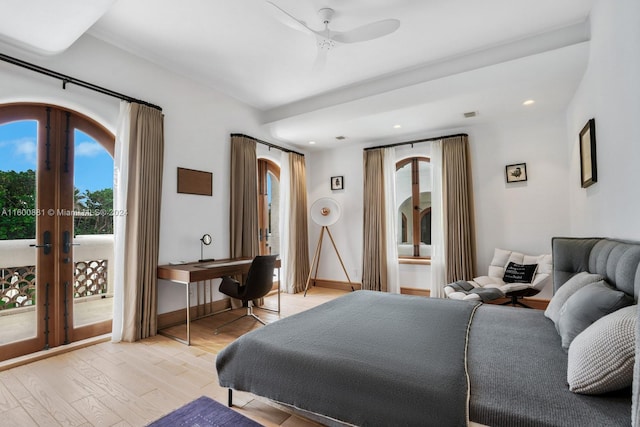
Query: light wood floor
point(133, 384)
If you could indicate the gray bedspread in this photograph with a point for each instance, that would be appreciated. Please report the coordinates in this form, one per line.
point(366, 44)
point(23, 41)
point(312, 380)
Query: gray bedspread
point(392, 360)
point(366, 358)
point(518, 373)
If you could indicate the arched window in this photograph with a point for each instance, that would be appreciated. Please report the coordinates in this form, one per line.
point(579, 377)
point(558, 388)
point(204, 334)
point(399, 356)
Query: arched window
point(413, 195)
point(269, 206)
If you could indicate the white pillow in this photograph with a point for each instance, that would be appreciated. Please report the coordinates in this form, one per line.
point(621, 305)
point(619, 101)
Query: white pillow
point(566, 290)
point(601, 357)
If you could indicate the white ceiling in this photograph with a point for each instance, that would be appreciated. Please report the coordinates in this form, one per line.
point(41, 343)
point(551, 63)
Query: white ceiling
point(48, 26)
point(448, 57)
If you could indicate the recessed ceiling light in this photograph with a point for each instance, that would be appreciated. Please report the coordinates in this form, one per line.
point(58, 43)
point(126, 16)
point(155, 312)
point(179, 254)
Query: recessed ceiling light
point(529, 102)
point(397, 126)
point(312, 142)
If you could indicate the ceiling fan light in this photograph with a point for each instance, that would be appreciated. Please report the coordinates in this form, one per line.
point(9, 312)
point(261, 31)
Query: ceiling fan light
point(326, 44)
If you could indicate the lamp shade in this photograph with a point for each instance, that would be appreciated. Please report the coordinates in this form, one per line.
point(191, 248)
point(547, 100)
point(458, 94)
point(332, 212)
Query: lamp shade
point(325, 211)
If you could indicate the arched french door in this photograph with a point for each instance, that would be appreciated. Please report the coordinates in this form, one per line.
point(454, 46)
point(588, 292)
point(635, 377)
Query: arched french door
point(41, 279)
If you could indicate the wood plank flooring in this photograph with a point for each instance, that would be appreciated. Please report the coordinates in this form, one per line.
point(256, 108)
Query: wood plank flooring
point(133, 384)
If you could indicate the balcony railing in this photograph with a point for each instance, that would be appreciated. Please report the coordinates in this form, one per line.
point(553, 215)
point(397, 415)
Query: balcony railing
point(92, 276)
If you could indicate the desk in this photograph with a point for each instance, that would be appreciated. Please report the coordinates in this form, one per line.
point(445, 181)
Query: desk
point(196, 272)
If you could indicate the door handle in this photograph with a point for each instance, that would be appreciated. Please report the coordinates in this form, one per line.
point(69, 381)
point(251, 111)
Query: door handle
point(66, 242)
point(46, 243)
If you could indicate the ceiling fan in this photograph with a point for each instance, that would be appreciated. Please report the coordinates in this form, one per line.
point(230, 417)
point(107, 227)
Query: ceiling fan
point(327, 39)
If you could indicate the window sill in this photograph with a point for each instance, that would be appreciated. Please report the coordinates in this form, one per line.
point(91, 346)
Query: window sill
point(415, 261)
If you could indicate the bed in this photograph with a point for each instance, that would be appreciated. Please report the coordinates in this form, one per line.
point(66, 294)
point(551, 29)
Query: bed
point(369, 358)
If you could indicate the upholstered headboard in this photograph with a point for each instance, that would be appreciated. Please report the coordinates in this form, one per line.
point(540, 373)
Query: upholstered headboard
point(619, 262)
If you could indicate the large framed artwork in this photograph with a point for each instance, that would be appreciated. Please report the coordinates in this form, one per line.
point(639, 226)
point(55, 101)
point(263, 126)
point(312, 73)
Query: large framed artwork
point(588, 165)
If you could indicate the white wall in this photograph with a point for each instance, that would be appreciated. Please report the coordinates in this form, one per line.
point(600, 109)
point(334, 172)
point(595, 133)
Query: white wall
point(521, 216)
point(198, 121)
point(518, 216)
point(347, 232)
point(610, 93)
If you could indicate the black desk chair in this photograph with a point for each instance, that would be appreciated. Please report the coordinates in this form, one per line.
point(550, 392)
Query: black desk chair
point(258, 284)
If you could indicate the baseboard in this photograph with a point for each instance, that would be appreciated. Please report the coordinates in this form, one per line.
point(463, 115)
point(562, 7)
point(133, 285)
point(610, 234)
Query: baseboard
point(335, 284)
point(415, 291)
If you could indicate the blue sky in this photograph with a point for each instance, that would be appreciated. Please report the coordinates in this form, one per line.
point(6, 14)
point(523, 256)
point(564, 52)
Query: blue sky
point(93, 164)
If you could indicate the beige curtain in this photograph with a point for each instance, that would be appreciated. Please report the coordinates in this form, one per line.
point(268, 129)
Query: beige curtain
point(243, 210)
point(459, 228)
point(298, 241)
point(374, 262)
point(146, 149)
point(243, 215)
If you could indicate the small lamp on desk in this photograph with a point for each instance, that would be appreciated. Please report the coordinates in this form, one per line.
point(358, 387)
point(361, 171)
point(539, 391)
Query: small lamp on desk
point(205, 240)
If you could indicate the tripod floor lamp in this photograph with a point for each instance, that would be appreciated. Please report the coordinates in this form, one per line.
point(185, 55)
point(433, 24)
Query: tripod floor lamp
point(324, 212)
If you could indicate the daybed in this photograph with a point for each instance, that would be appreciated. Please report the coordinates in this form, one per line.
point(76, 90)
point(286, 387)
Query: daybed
point(377, 359)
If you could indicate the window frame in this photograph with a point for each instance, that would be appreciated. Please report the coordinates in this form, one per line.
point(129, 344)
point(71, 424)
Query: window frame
point(265, 166)
point(417, 215)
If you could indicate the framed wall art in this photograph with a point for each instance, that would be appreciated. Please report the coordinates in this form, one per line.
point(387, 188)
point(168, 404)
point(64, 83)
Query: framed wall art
point(337, 182)
point(195, 182)
point(588, 166)
point(516, 172)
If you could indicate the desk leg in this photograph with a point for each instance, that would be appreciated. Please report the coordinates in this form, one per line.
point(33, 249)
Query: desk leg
point(173, 337)
point(189, 314)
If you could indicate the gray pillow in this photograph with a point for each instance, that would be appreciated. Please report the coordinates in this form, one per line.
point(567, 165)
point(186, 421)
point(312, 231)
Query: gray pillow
point(586, 306)
point(566, 290)
point(601, 357)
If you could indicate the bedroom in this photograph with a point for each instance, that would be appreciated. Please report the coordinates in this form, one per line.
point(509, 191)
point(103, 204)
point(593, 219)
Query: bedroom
point(199, 120)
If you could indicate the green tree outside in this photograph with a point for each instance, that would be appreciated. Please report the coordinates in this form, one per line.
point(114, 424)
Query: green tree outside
point(18, 202)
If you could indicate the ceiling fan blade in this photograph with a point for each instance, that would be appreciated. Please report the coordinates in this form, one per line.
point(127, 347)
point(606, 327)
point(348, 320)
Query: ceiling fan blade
point(367, 32)
point(321, 60)
point(289, 20)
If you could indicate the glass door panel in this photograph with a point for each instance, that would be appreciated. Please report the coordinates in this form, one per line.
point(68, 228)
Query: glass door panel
point(273, 213)
point(18, 293)
point(92, 236)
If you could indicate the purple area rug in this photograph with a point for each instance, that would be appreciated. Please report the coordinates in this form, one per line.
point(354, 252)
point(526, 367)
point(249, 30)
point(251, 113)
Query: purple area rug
point(204, 412)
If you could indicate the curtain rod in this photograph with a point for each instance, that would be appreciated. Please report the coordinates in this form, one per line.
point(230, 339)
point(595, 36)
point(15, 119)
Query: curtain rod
point(268, 144)
point(72, 80)
point(416, 141)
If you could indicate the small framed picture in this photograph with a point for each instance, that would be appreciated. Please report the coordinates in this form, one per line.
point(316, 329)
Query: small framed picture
point(588, 169)
point(516, 172)
point(337, 183)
